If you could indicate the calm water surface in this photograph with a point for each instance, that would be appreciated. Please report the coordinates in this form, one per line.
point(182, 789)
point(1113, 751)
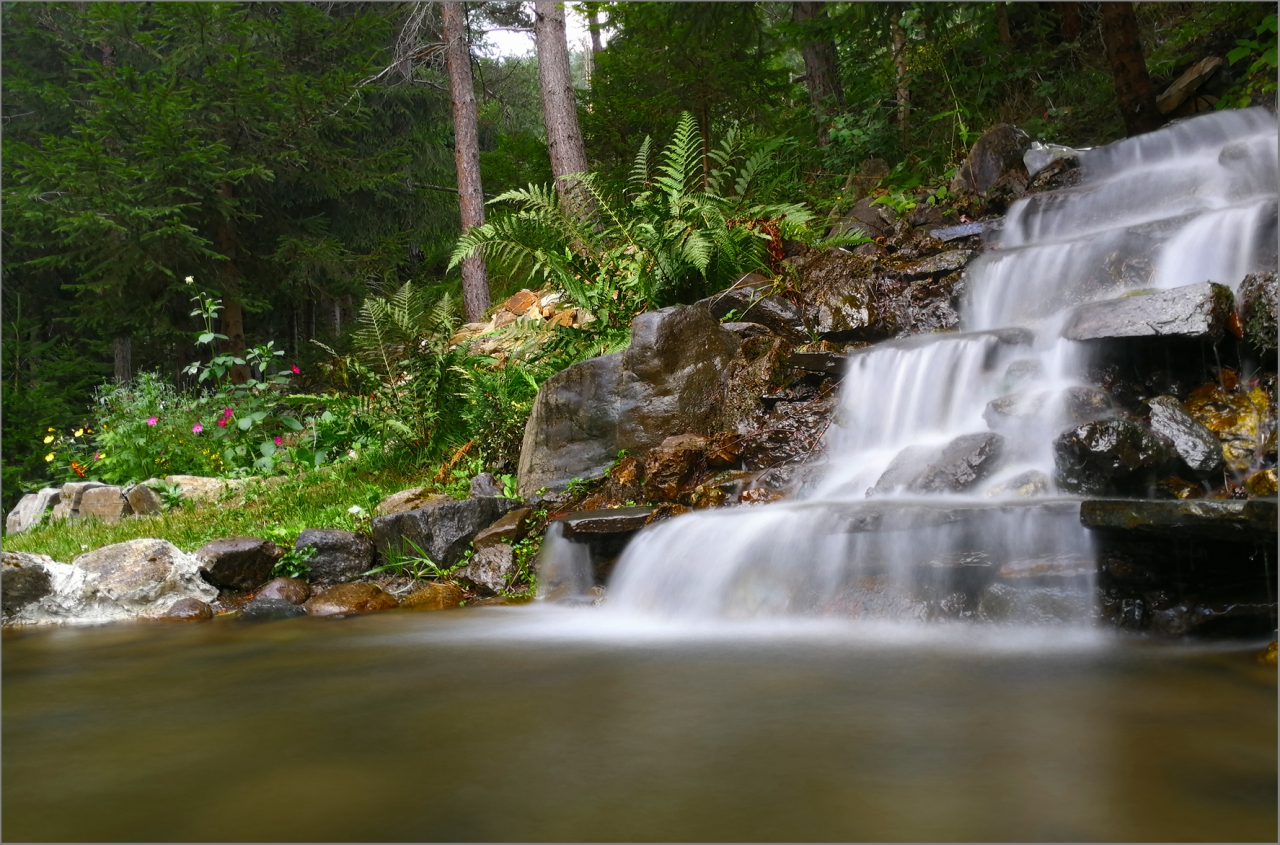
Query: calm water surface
point(534, 723)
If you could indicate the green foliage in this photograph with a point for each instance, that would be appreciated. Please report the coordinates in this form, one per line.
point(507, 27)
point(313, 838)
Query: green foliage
point(418, 565)
point(293, 564)
point(1260, 77)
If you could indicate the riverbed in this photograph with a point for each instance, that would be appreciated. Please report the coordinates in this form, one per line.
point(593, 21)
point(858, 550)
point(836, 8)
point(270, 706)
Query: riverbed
point(553, 723)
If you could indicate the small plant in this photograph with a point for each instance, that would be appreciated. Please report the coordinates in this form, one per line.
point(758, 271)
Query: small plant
point(294, 563)
point(170, 494)
point(418, 566)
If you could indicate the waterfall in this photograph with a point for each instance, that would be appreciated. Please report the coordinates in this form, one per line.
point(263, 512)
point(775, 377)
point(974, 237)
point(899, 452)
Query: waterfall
point(1193, 202)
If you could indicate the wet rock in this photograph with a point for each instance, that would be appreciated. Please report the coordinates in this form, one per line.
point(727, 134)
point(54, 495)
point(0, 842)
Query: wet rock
point(407, 500)
point(789, 433)
point(238, 563)
point(753, 298)
point(340, 555)
point(746, 330)
point(1257, 299)
point(68, 506)
point(1020, 373)
point(614, 521)
point(261, 609)
point(491, 569)
point(1261, 483)
point(511, 528)
point(24, 579)
point(1001, 412)
point(842, 301)
point(1179, 488)
point(995, 154)
point(1241, 418)
point(344, 599)
point(667, 382)
point(1195, 444)
point(827, 363)
point(759, 496)
point(937, 265)
point(671, 464)
point(144, 501)
point(1196, 312)
point(1238, 521)
point(106, 504)
point(442, 529)
point(292, 590)
point(1109, 456)
point(874, 221)
point(188, 610)
point(433, 597)
point(1213, 619)
point(485, 484)
point(958, 466)
point(1267, 656)
point(31, 510)
point(1039, 605)
point(1023, 485)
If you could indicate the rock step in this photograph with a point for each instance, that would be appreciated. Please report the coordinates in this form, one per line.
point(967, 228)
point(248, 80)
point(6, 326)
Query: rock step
point(1232, 519)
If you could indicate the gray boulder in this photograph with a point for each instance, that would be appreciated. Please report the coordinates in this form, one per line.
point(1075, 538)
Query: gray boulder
point(666, 382)
point(442, 529)
point(31, 510)
point(238, 563)
point(485, 484)
point(24, 579)
point(144, 501)
point(340, 555)
point(68, 506)
point(1194, 312)
point(490, 569)
point(1198, 447)
point(106, 504)
point(752, 299)
point(999, 151)
point(1109, 456)
point(959, 465)
point(142, 577)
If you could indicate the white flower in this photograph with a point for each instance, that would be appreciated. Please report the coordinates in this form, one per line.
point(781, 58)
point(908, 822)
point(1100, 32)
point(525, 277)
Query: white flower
point(355, 510)
point(191, 280)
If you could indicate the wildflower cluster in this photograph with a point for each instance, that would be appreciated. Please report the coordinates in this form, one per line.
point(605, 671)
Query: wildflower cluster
point(71, 455)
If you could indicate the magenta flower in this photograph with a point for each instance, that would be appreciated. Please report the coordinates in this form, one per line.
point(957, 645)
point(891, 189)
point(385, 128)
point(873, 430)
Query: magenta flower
point(226, 413)
point(152, 420)
point(222, 422)
point(279, 440)
point(295, 369)
point(197, 428)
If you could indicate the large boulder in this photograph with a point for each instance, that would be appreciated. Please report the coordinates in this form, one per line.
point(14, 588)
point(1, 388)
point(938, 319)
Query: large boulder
point(25, 579)
point(238, 563)
point(433, 597)
point(1110, 456)
point(339, 556)
point(666, 382)
point(1194, 443)
point(441, 529)
point(68, 506)
point(107, 504)
point(406, 500)
point(31, 510)
point(1193, 312)
point(753, 299)
point(997, 153)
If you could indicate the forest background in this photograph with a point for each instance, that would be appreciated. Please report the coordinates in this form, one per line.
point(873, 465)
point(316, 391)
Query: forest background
point(270, 191)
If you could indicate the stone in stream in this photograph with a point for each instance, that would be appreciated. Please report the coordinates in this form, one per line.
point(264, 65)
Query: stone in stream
point(339, 556)
point(261, 609)
point(668, 381)
point(292, 590)
point(491, 569)
point(1194, 443)
point(344, 599)
point(1024, 485)
point(188, 610)
point(1242, 417)
point(1257, 302)
point(959, 465)
point(31, 510)
point(433, 597)
point(1194, 312)
point(1108, 456)
point(937, 265)
point(143, 500)
point(441, 529)
point(511, 528)
point(238, 563)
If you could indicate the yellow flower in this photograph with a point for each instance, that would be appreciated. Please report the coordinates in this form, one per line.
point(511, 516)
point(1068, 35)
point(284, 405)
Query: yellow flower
point(48, 438)
point(48, 457)
point(50, 428)
point(79, 432)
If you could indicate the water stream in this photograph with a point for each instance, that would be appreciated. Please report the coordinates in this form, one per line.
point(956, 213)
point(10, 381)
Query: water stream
point(1194, 202)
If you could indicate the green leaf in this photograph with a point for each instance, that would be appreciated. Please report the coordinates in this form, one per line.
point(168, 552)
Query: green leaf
point(291, 424)
point(245, 423)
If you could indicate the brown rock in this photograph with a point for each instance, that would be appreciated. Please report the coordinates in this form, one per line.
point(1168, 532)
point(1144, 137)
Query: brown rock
point(188, 610)
point(343, 599)
point(143, 500)
point(759, 496)
point(561, 318)
point(433, 597)
point(292, 590)
point(511, 528)
point(503, 318)
point(406, 500)
point(671, 465)
point(520, 302)
point(105, 503)
point(1187, 84)
point(1261, 483)
point(240, 563)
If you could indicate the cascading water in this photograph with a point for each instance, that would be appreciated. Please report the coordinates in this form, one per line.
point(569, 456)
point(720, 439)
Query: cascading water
point(874, 538)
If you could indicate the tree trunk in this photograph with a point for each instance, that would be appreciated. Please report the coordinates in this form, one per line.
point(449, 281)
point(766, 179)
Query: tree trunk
point(232, 312)
point(821, 73)
point(559, 106)
point(1069, 20)
point(1134, 93)
point(903, 90)
point(593, 26)
point(1002, 23)
point(123, 358)
point(466, 152)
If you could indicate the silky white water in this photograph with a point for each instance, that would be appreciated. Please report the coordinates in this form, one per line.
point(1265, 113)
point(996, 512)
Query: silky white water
point(1191, 203)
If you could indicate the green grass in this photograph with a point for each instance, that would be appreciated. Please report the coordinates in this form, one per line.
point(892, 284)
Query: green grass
point(277, 512)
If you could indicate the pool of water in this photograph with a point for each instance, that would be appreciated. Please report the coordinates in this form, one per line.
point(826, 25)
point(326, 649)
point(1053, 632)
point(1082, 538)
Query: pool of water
point(537, 723)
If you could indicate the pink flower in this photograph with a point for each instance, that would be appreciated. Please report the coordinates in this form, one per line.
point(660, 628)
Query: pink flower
point(226, 413)
point(197, 428)
point(97, 456)
point(152, 420)
point(222, 423)
point(295, 369)
point(279, 440)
